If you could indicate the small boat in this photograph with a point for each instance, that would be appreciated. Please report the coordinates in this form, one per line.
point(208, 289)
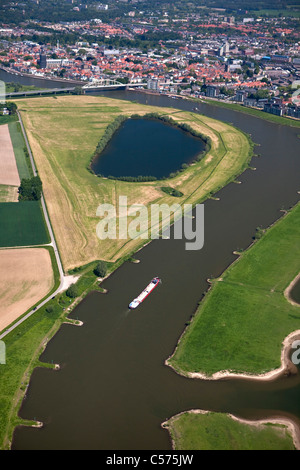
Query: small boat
point(151, 286)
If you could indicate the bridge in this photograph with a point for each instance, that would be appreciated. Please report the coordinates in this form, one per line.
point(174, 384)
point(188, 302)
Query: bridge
point(101, 84)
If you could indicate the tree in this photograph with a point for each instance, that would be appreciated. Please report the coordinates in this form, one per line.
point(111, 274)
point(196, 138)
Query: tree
point(78, 91)
point(12, 107)
point(30, 189)
point(72, 291)
point(101, 269)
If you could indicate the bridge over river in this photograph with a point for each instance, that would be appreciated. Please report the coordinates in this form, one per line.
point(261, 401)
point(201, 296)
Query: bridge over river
point(100, 85)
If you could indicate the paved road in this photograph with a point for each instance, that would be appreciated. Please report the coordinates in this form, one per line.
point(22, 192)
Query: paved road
point(62, 276)
point(52, 238)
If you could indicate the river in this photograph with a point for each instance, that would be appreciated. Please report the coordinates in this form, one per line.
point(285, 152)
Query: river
point(113, 390)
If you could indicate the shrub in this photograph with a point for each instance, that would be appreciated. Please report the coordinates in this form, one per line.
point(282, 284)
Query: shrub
point(101, 269)
point(171, 191)
point(72, 291)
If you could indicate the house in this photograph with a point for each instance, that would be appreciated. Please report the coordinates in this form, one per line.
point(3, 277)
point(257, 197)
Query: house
point(274, 106)
point(293, 111)
point(211, 91)
point(153, 84)
point(240, 96)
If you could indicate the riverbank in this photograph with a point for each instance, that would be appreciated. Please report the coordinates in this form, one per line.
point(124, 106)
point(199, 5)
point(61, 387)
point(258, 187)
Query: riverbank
point(69, 186)
point(284, 120)
point(41, 77)
point(254, 283)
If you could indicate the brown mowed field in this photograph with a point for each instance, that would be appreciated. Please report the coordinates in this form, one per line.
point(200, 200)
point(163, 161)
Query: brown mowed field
point(9, 174)
point(26, 276)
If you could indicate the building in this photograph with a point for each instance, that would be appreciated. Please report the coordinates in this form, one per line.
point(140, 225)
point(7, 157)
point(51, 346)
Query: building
point(293, 111)
point(153, 84)
point(240, 96)
point(43, 61)
point(274, 106)
point(280, 59)
point(53, 63)
point(211, 91)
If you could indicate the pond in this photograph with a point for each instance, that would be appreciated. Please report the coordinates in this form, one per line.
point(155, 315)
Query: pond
point(147, 148)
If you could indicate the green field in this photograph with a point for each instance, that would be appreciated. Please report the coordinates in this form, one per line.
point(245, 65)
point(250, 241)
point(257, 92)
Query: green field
point(7, 119)
point(278, 12)
point(245, 317)
point(218, 431)
point(19, 146)
point(22, 224)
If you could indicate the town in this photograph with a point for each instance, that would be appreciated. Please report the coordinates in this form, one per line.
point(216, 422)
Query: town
point(251, 59)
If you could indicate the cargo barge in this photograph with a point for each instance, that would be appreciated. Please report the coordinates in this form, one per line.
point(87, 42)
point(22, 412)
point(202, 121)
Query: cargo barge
point(151, 286)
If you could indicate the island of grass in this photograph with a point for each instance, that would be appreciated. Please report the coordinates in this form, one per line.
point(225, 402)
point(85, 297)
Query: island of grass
point(198, 430)
point(73, 193)
point(245, 317)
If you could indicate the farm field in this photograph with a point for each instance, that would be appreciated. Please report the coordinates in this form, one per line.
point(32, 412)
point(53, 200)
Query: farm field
point(22, 224)
point(9, 174)
point(26, 276)
point(18, 146)
point(8, 193)
point(73, 194)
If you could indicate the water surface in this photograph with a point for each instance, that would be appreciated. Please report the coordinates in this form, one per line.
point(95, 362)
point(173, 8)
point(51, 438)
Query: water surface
point(147, 147)
point(295, 292)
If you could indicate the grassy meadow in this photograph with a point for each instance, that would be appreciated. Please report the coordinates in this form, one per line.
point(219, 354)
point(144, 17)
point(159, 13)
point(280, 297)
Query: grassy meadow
point(244, 318)
point(218, 431)
point(63, 134)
